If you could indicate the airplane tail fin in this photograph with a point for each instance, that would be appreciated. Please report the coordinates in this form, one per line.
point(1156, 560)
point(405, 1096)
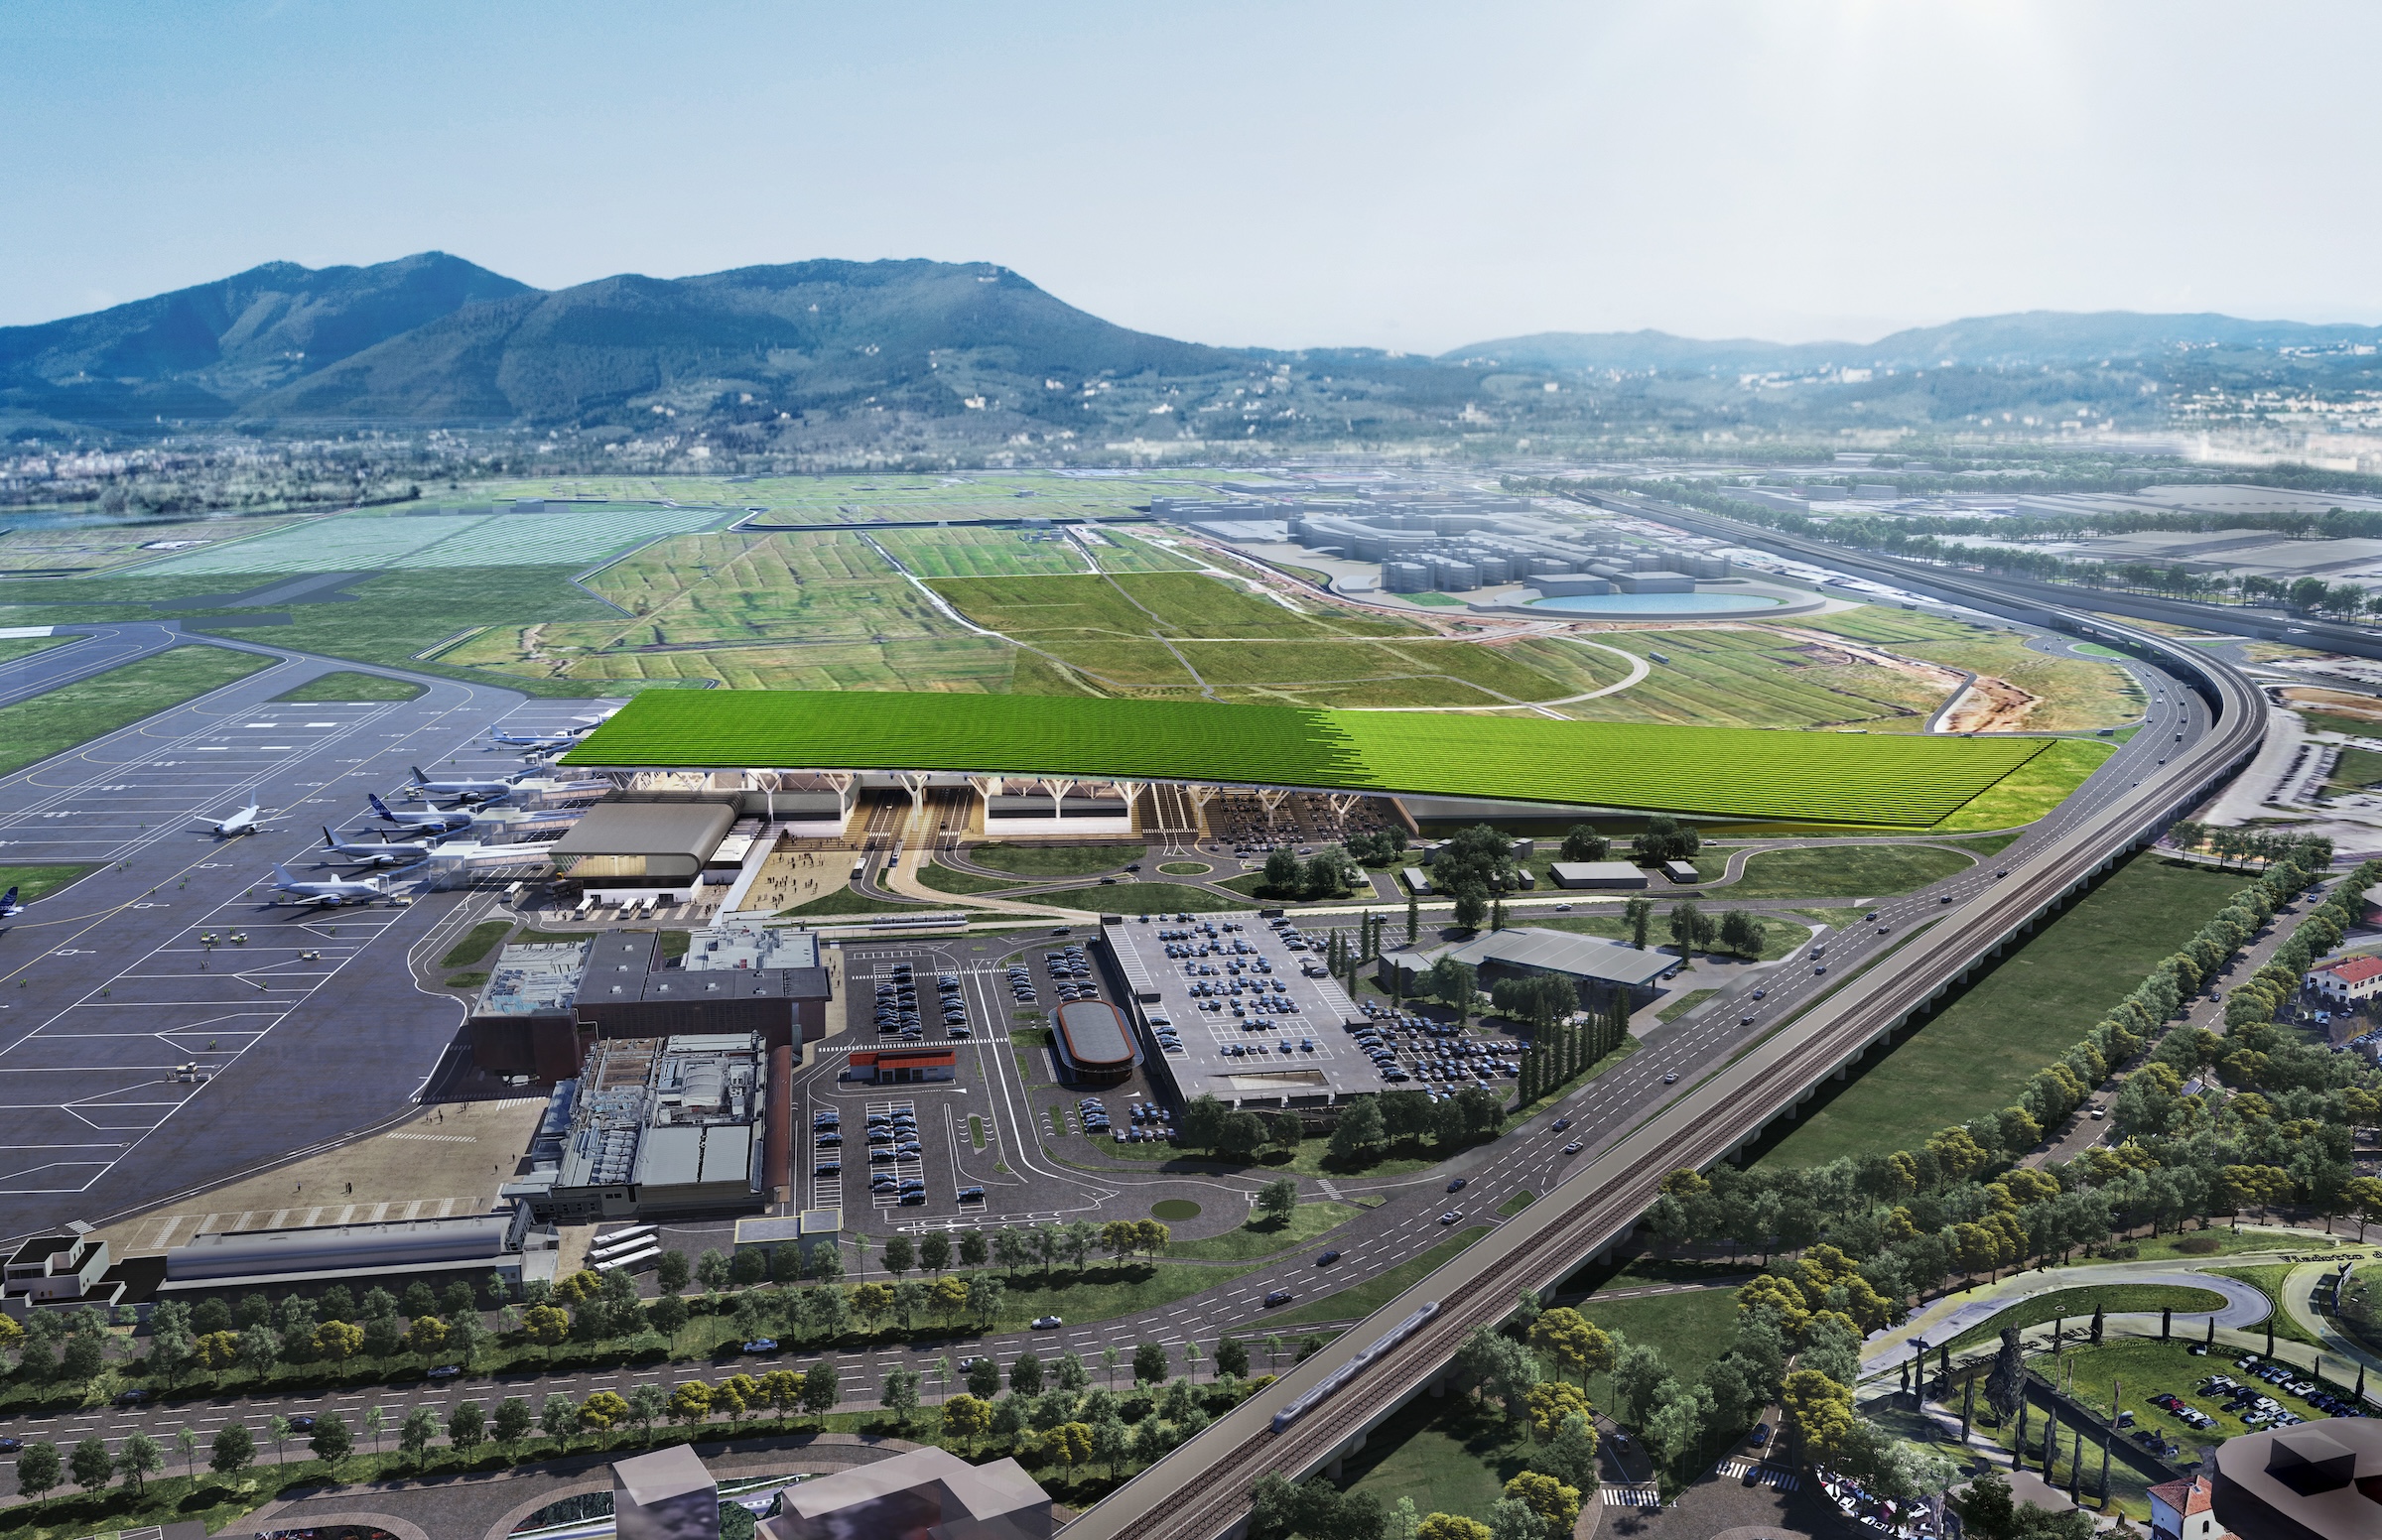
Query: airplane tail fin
point(418, 778)
point(378, 805)
point(328, 844)
point(281, 875)
point(8, 901)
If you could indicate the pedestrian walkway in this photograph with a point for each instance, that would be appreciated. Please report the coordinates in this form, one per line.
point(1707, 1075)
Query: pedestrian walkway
point(1766, 1475)
point(1632, 1496)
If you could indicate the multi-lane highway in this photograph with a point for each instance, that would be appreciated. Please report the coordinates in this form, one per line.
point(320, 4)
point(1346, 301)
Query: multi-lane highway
point(1201, 1490)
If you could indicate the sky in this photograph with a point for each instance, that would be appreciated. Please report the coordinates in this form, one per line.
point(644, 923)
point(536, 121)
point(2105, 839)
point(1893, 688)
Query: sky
point(1404, 175)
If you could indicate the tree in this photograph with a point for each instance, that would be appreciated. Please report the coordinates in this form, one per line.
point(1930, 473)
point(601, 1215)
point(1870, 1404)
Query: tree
point(1232, 1357)
point(1742, 934)
point(513, 1420)
point(1281, 872)
point(712, 1270)
point(91, 1465)
point(186, 1440)
point(38, 1466)
point(546, 1326)
point(1576, 1344)
point(425, 1336)
point(1150, 1364)
point(1637, 914)
point(1240, 1135)
point(557, 1418)
point(2006, 1383)
point(1689, 929)
point(1817, 1414)
point(1664, 839)
point(278, 1429)
point(231, 1451)
point(986, 1296)
point(966, 1416)
point(1497, 1366)
point(466, 1427)
point(1111, 1441)
point(1570, 1456)
point(671, 1272)
point(1472, 906)
point(335, 1341)
point(1511, 1518)
point(691, 1402)
point(1551, 1403)
point(415, 1436)
point(934, 1251)
point(1451, 1526)
point(820, 1390)
point(648, 1404)
point(1070, 1443)
point(1557, 1505)
point(1452, 983)
point(1278, 1201)
point(330, 1440)
point(973, 1246)
point(139, 1459)
point(899, 1394)
point(1026, 1374)
point(1583, 843)
point(667, 1315)
point(900, 1255)
point(602, 1412)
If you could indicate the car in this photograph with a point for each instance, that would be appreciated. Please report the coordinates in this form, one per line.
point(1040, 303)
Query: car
point(1672, 1078)
point(972, 1194)
point(1947, 898)
point(1758, 993)
point(1559, 1124)
point(1451, 1216)
point(761, 1345)
point(10, 1446)
point(1761, 1435)
point(1819, 970)
point(1327, 1259)
point(964, 1364)
point(1573, 1148)
point(444, 1371)
point(1047, 1323)
point(132, 1397)
point(1281, 1297)
point(1872, 915)
point(2005, 871)
point(1459, 1183)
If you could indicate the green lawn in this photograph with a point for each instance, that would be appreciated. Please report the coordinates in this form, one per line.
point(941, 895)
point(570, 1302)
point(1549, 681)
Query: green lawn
point(1056, 860)
point(1843, 871)
point(1989, 845)
point(477, 944)
point(2223, 1242)
point(1359, 1300)
point(1972, 1056)
point(2077, 1305)
point(1448, 1452)
point(1779, 937)
point(32, 882)
point(1186, 869)
point(2359, 769)
point(1145, 898)
point(348, 685)
point(13, 647)
point(1689, 1329)
point(949, 879)
point(1685, 1004)
point(52, 724)
point(2268, 1280)
point(1264, 1236)
point(1103, 1293)
point(2033, 789)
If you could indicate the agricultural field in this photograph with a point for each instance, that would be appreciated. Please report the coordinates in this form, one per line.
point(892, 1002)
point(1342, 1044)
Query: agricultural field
point(2073, 694)
point(1839, 871)
point(379, 541)
point(1757, 677)
point(863, 499)
point(1972, 1056)
point(104, 548)
point(1823, 777)
point(983, 553)
point(1118, 551)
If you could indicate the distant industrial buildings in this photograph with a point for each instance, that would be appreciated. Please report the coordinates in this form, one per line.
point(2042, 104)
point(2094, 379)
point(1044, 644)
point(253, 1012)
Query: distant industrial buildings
point(1598, 969)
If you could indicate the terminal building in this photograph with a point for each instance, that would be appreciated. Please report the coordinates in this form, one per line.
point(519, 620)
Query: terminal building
point(314, 1257)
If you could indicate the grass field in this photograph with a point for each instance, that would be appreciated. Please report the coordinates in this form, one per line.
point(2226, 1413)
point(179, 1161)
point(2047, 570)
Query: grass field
point(1838, 778)
point(844, 901)
point(1265, 1237)
point(1689, 1328)
point(1359, 1300)
point(1971, 1057)
point(862, 498)
point(116, 698)
point(345, 686)
point(983, 553)
point(1446, 1452)
point(476, 943)
point(102, 547)
point(2267, 1279)
point(2071, 693)
point(1756, 676)
point(1843, 871)
point(13, 647)
point(2078, 1305)
point(2033, 789)
point(2359, 769)
point(1056, 860)
point(41, 880)
point(1779, 937)
point(377, 539)
point(946, 879)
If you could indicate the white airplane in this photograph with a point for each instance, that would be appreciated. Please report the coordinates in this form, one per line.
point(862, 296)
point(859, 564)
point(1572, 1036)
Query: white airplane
point(333, 892)
point(248, 821)
point(389, 853)
point(465, 791)
point(10, 907)
point(562, 739)
point(432, 819)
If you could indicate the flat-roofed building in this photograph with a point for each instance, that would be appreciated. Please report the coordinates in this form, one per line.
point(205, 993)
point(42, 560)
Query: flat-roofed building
point(1598, 968)
point(1596, 874)
point(925, 1494)
point(2317, 1481)
point(665, 1495)
point(902, 1065)
point(465, 1245)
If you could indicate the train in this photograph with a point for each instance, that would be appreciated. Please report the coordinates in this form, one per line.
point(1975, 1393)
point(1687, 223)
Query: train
point(1354, 1366)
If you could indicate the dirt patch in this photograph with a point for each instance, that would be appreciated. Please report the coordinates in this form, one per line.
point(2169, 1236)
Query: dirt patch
point(1989, 704)
point(2336, 702)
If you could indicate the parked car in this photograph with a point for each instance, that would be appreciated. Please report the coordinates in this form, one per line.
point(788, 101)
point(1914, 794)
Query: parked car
point(761, 1345)
point(1047, 1323)
point(444, 1371)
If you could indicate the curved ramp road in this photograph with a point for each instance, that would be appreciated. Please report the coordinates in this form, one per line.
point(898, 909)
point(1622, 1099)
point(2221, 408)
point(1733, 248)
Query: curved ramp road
point(2246, 1305)
point(1201, 1490)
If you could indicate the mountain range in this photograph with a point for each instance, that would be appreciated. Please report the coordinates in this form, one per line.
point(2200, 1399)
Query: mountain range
point(914, 353)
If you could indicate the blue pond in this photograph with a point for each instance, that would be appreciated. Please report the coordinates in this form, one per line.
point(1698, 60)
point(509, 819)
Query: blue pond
point(1655, 603)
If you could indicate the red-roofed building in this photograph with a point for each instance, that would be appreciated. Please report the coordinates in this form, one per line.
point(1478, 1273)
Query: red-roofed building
point(2349, 980)
point(2186, 1510)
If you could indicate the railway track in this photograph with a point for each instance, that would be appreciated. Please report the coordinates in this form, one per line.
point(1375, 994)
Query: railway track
point(1200, 1490)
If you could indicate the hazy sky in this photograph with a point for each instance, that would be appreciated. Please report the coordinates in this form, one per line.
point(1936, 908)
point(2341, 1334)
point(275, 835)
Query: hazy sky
point(1290, 174)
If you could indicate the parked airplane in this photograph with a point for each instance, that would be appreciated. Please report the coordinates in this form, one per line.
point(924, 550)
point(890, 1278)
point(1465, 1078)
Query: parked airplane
point(248, 821)
point(562, 739)
point(431, 818)
point(10, 908)
point(389, 853)
point(467, 791)
point(333, 890)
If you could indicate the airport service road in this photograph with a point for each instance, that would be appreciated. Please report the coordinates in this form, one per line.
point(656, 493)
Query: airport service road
point(106, 987)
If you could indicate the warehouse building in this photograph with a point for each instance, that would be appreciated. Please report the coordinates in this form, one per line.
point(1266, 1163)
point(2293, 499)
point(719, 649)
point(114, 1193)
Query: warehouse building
point(1596, 874)
point(678, 1126)
point(545, 1003)
point(902, 1065)
point(1596, 967)
point(314, 1257)
point(926, 1494)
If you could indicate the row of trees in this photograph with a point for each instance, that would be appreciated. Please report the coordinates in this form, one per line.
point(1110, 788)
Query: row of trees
point(2235, 846)
point(1366, 1124)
